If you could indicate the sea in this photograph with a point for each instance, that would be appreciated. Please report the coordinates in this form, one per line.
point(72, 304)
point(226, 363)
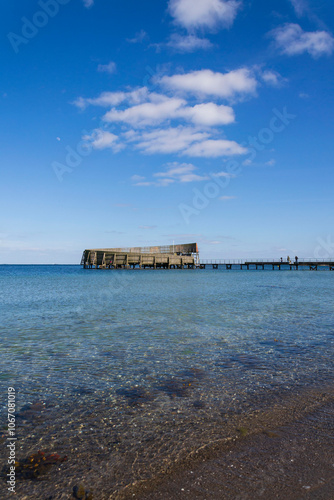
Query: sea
point(124, 373)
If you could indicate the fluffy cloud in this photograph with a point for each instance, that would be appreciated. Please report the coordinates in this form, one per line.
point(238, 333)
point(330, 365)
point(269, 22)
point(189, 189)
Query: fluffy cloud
point(205, 82)
point(102, 139)
point(176, 173)
point(185, 141)
point(107, 68)
point(174, 121)
point(181, 172)
point(292, 40)
point(273, 78)
point(107, 99)
point(215, 148)
point(161, 108)
point(210, 114)
point(203, 14)
point(188, 43)
point(170, 140)
point(299, 6)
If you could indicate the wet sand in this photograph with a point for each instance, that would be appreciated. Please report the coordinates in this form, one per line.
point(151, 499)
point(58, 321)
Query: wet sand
point(291, 461)
point(282, 450)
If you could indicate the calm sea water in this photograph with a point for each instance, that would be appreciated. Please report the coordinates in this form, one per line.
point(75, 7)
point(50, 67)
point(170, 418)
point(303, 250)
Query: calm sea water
point(64, 327)
point(149, 345)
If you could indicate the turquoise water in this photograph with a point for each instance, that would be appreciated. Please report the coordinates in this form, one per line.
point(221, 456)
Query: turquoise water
point(64, 326)
point(146, 349)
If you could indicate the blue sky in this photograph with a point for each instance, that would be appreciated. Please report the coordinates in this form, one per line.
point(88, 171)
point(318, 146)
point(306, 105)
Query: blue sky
point(138, 123)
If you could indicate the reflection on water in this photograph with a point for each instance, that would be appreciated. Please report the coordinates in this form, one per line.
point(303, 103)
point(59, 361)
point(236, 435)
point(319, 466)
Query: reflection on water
point(128, 361)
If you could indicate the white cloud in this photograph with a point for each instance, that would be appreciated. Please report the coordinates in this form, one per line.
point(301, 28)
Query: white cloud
point(180, 172)
point(201, 14)
point(210, 114)
point(107, 68)
point(157, 123)
point(185, 141)
point(161, 108)
point(177, 173)
point(88, 3)
point(188, 43)
point(207, 82)
point(299, 6)
point(170, 140)
point(292, 40)
point(148, 113)
point(226, 198)
point(107, 99)
point(102, 139)
point(213, 148)
point(273, 78)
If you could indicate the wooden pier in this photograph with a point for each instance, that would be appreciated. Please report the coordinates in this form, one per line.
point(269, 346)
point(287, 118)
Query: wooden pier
point(309, 264)
point(186, 256)
point(159, 257)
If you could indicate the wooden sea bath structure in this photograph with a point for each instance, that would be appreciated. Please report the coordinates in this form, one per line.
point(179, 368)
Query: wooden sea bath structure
point(183, 256)
point(186, 256)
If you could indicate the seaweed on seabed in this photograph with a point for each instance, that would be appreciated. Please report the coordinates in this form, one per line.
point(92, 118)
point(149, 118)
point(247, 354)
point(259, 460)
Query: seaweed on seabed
point(180, 385)
point(175, 387)
point(34, 412)
point(34, 466)
point(135, 395)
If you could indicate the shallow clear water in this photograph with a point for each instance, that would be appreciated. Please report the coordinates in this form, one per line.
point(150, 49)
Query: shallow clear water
point(65, 328)
point(158, 353)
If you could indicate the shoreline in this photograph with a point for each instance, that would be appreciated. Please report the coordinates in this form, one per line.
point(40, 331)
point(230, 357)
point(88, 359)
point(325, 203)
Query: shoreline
point(146, 471)
point(291, 462)
point(285, 453)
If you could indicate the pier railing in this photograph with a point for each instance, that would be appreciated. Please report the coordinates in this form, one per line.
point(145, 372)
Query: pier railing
point(263, 261)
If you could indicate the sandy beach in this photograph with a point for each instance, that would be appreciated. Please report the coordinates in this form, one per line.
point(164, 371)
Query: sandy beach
point(289, 456)
point(283, 450)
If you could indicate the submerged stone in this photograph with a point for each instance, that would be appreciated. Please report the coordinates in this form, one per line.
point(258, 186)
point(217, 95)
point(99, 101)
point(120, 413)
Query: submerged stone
point(35, 465)
point(80, 493)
